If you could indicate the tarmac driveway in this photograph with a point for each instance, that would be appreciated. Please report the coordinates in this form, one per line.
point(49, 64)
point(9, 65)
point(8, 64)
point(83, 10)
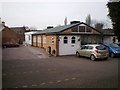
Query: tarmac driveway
point(30, 67)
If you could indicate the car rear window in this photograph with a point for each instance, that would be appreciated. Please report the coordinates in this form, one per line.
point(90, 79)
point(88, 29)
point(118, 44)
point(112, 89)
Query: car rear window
point(90, 47)
point(113, 45)
point(100, 47)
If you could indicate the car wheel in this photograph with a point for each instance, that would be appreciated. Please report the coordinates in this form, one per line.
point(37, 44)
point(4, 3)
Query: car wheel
point(112, 55)
point(92, 57)
point(77, 54)
point(4, 46)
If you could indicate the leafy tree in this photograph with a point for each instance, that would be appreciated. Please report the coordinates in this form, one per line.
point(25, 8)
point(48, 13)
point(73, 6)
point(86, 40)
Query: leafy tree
point(114, 14)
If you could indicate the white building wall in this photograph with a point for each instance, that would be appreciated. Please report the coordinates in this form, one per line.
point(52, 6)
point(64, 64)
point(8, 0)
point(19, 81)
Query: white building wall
point(28, 37)
point(69, 48)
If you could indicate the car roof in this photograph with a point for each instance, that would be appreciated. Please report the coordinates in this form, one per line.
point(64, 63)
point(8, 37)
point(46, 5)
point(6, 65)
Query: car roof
point(106, 43)
point(92, 45)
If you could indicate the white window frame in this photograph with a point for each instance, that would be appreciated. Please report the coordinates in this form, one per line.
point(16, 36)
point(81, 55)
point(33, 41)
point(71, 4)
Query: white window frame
point(29, 37)
point(73, 39)
point(44, 39)
point(65, 39)
point(39, 39)
point(52, 40)
point(34, 39)
point(85, 29)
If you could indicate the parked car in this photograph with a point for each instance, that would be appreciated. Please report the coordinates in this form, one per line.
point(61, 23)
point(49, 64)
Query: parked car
point(114, 49)
point(93, 51)
point(10, 44)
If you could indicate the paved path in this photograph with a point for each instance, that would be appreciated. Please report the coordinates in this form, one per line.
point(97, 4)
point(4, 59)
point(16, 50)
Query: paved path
point(22, 68)
point(38, 51)
point(24, 53)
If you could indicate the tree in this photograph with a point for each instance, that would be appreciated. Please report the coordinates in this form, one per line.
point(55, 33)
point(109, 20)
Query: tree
point(99, 26)
point(114, 14)
point(65, 21)
point(88, 20)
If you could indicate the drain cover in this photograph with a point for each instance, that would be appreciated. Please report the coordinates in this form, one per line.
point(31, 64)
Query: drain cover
point(39, 54)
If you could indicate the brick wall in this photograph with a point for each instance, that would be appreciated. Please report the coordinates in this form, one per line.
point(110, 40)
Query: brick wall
point(51, 42)
point(34, 40)
point(9, 36)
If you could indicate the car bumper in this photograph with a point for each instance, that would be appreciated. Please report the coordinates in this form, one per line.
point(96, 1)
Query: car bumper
point(102, 56)
point(117, 54)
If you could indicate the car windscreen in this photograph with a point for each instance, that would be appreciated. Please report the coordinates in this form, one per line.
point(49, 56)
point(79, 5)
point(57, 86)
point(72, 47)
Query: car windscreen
point(100, 47)
point(113, 45)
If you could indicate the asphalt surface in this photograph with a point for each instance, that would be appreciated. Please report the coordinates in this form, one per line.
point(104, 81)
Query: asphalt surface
point(31, 67)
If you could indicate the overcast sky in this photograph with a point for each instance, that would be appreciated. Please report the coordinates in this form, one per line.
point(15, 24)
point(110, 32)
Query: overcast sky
point(45, 13)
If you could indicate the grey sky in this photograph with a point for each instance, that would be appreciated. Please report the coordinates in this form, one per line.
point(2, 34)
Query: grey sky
point(43, 14)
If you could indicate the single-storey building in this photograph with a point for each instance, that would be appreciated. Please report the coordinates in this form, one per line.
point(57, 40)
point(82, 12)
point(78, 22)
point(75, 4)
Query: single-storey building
point(109, 36)
point(28, 37)
point(65, 40)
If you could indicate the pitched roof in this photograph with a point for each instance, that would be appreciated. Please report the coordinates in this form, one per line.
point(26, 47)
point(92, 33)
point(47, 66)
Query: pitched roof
point(107, 31)
point(62, 28)
point(17, 28)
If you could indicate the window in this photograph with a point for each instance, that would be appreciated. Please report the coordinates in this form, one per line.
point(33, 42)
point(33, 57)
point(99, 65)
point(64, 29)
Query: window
point(88, 29)
point(29, 37)
point(73, 40)
point(90, 47)
point(100, 47)
point(113, 45)
point(81, 28)
point(34, 39)
point(39, 39)
point(44, 39)
point(52, 39)
point(75, 29)
point(83, 47)
point(65, 41)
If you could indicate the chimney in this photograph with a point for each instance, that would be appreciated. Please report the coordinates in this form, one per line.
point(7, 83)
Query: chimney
point(3, 23)
point(74, 22)
point(49, 27)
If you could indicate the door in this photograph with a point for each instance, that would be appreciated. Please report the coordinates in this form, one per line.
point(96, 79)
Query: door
point(49, 49)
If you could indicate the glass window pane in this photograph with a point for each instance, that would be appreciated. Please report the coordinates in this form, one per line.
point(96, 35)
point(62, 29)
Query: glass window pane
point(81, 28)
point(88, 29)
point(65, 41)
point(75, 29)
point(73, 40)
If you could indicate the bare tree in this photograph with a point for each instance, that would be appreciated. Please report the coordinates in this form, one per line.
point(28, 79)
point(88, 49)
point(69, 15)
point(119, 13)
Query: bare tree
point(65, 21)
point(99, 26)
point(88, 20)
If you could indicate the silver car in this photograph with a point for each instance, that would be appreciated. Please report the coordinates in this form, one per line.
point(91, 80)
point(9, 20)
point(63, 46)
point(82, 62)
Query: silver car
point(93, 51)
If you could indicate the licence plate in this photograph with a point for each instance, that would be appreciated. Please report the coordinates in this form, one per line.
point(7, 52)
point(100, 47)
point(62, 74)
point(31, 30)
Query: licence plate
point(104, 55)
